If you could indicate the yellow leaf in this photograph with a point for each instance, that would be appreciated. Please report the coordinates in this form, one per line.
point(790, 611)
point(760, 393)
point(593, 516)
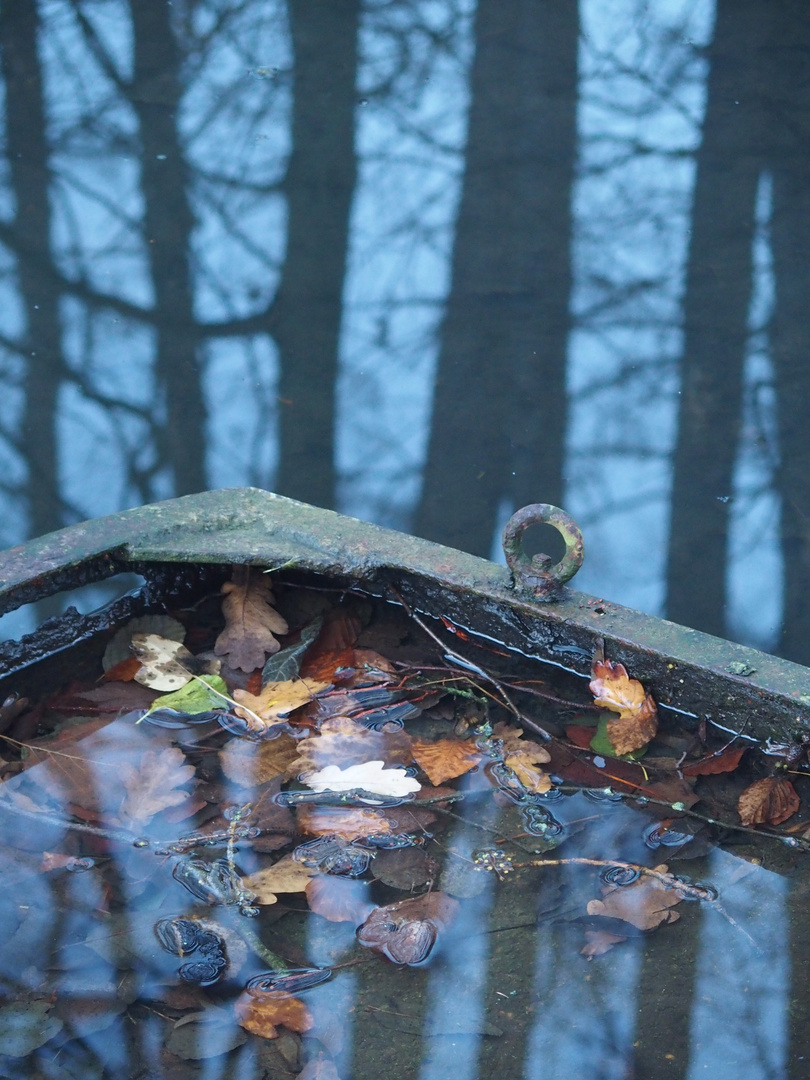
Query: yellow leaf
point(277, 700)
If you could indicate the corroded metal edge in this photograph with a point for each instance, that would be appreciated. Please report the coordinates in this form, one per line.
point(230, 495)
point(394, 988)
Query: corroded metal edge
point(689, 671)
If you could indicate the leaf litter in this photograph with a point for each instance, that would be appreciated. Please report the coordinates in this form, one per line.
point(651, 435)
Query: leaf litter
point(259, 777)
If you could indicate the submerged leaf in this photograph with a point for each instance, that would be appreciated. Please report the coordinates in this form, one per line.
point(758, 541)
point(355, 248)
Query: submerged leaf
point(276, 700)
point(598, 942)
point(338, 899)
point(198, 696)
point(717, 763)
point(646, 903)
point(446, 759)
point(769, 801)
point(251, 622)
point(264, 1015)
point(154, 785)
point(161, 662)
point(287, 876)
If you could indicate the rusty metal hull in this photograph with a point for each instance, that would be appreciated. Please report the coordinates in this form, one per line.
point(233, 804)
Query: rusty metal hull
point(694, 673)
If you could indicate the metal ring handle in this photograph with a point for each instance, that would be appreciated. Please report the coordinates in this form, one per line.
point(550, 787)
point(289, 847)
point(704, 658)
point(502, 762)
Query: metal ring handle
point(539, 574)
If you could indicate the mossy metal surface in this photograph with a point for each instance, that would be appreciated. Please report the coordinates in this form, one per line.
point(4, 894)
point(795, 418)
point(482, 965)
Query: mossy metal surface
point(704, 676)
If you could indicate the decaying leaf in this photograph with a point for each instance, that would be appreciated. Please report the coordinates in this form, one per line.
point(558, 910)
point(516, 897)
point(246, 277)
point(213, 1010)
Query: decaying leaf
point(647, 903)
point(338, 899)
point(161, 662)
point(406, 932)
point(347, 823)
point(251, 622)
point(265, 1014)
point(598, 942)
point(446, 759)
point(343, 741)
point(276, 701)
point(370, 776)
point(153, 785)
point(250, 764)
point(285, 876)
point(613, 689)
point(717, 763)
point(523, 756)
point(769, 801)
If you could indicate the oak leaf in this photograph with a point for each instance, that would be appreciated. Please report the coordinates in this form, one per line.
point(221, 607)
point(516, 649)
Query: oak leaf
point(613, 689)
point(263, 1015)
point(371, 776)
point(251, 764)
point(523, 756)
point(347, 823)
point(285, 876)
point(645, 904)
point(769, 801)
point(251, 622)
point(445, 759)
point(276, 701)
point(343, 741)
point(153, 785)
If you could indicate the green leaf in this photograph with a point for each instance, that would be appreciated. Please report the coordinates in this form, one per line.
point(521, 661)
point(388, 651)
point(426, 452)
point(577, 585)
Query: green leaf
point(197, 696)
point(601, 744)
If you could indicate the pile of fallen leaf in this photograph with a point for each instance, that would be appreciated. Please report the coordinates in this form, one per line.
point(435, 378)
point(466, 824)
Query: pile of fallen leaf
point(282, 761)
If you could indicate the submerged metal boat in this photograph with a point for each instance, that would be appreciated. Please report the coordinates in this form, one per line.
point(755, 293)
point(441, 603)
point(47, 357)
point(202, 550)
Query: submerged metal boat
point(185, 546)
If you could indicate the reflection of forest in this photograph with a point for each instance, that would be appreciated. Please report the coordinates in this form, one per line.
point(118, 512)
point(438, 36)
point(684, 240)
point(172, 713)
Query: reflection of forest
point(423, 261)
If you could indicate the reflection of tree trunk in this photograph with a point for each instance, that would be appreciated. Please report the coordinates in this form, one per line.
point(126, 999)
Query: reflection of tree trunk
point(30, 176)
point(789, 128)
point(716, 304)
point(499, 405)
point(319, 187)
point(168, 223)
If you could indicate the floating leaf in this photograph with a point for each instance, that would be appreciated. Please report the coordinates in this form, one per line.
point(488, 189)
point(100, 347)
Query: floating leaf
point(613, 689)
point(198, 696)
point(371, 776)
point(153, 785)
point(769, 801)
point(647, 903)
point(285, 876)
point(161, 662)
point(717, 763)
point(251, 622)
point(276, 700)
point(446, 759)
point(264, 1015)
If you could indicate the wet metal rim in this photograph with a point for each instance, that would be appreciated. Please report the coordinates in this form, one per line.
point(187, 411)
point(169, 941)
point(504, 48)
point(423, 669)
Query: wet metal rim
point(694, 673)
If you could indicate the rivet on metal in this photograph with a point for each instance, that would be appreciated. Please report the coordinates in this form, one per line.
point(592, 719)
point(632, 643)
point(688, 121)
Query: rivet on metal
point(538, 574)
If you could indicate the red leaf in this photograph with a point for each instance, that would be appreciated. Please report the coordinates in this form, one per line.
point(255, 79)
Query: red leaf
point(719, 763)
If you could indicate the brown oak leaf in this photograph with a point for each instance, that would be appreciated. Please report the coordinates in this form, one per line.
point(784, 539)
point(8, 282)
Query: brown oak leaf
point(769, 801)
point(153, 785)
point(251, 764)
point(613, 689)
point(276, 701)
point(263, 1015)
point(647, 903)
point(446, 759)
point(348, 824)
point(251, 622)
point(523, 756)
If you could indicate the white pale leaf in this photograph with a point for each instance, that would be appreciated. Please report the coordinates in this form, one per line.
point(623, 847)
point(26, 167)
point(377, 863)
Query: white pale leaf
point(370, 776)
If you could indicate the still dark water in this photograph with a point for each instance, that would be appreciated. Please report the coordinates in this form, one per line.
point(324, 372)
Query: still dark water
point(424, 262)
